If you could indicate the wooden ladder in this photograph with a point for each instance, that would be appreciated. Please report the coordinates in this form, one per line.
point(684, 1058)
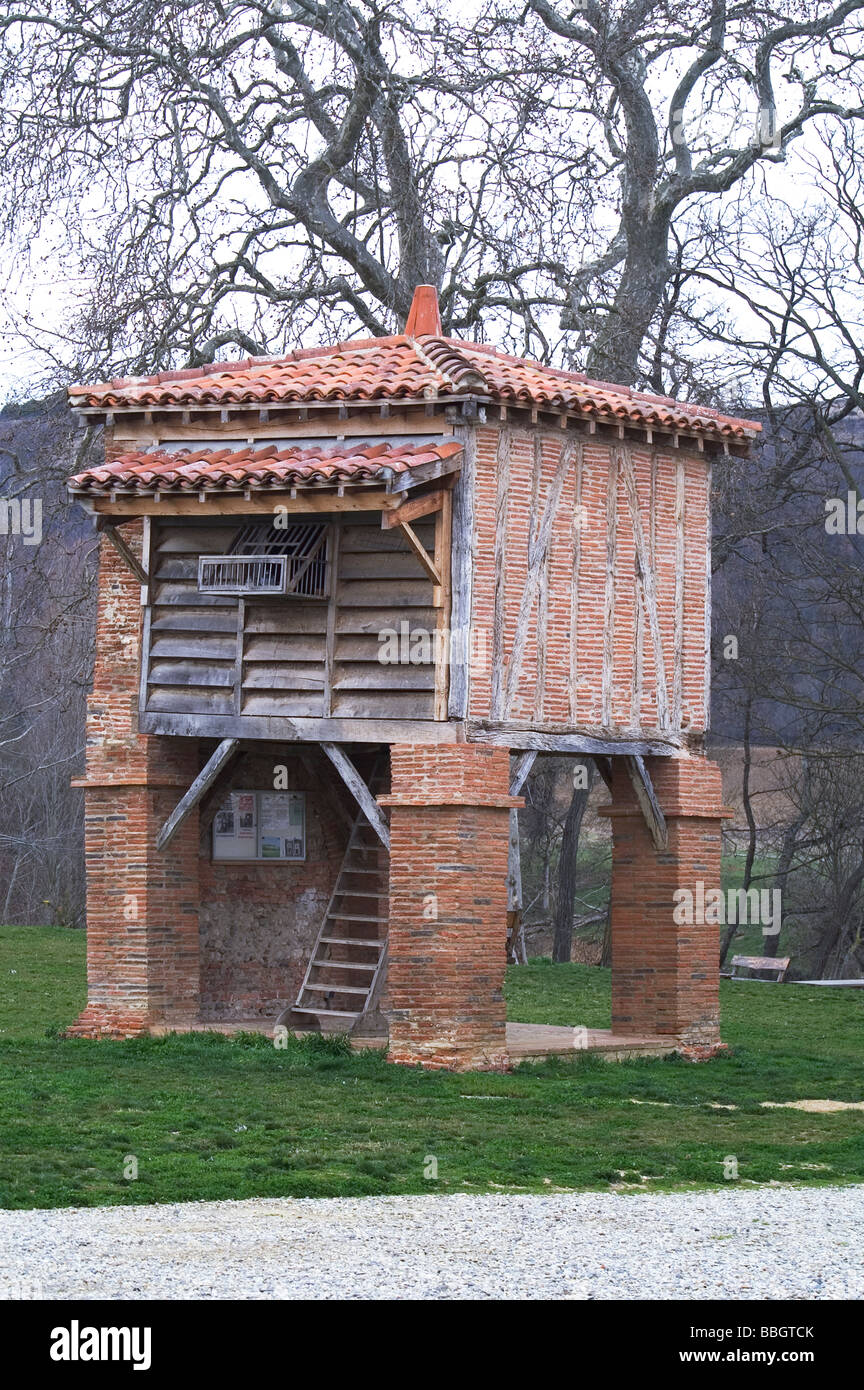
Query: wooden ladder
point(351, 947)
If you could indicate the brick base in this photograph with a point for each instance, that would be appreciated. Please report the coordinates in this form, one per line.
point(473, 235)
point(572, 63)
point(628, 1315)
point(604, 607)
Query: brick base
point(142, 904)
point(449, 834)
point(665, 976)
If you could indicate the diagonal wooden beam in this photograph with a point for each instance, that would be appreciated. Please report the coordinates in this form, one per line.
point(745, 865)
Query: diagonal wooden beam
point(648, 803)
point(648, 586)
point(127, 555)
point(604, 767)
point(518, 777)
point(538, 547)
point(206, 777)
point(359, 790)
point(420, 551)
point(520, 772)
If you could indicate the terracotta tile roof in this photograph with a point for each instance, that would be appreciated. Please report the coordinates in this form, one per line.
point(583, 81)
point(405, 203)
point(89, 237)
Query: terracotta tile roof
point(231, 470)
point(425, 367)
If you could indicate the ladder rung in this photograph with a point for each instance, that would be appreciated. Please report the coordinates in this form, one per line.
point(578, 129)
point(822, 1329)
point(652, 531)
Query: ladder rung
point(352, 917)
point(358, 893)
point(365, 857)
point(345, 965)
point(353, 941)
point(330, 988)
point(336, 1013)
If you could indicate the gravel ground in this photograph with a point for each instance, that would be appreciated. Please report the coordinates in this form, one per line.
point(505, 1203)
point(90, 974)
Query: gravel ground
point(765, 1243)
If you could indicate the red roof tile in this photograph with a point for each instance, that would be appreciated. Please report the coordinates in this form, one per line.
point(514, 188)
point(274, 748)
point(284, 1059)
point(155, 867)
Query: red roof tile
point(422, 367)
point(266, 468)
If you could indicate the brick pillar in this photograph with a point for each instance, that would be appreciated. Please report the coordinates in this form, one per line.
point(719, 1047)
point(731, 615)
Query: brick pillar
point(142, 906)
point(449, 832)
point(664, 974)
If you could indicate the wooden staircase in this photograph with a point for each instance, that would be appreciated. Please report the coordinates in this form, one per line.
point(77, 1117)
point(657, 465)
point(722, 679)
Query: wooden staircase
point(350, 951)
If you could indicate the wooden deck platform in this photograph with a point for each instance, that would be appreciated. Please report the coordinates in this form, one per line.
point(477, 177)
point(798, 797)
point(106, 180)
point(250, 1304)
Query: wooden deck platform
point(524, 1040)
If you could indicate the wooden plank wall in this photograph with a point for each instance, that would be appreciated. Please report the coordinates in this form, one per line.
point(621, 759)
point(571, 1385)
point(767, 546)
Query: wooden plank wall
point(215, 654)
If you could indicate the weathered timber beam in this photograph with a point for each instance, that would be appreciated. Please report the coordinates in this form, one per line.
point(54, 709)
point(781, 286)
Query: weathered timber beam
point(604, 767)
point(206, 777)
point(126, 554)
point(427, 473)
point(415, 508)
point(301, 729)
point(522, 769)
point(514, 868)
point(235, 504)
point(648, 803)
point(462, 578)
point(541, 742)
point(518, 777)
point(359, 790)
point(420, 551)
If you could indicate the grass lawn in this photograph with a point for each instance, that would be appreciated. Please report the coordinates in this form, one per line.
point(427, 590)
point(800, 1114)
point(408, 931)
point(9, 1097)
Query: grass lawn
point(207, 1117)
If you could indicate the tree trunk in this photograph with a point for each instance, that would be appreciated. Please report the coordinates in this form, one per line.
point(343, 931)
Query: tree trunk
point(732, 930)
point(614, 354)
point(562, 944)
point(771, 944)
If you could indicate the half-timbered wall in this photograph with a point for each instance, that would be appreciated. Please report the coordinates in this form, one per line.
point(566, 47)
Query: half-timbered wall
point(590, 579)
point(216, 654)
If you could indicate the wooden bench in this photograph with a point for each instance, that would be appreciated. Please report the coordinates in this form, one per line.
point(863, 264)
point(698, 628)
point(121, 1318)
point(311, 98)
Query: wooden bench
point(777, 965)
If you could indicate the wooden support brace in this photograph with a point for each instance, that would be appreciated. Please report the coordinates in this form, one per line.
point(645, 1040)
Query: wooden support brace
point(359, 790)
point(522, 769)
point(421, 552)
point(417, 507)
point(126, 554)
point(648, 803)
point(206, 777)
point(524, 764)
point(604, 767)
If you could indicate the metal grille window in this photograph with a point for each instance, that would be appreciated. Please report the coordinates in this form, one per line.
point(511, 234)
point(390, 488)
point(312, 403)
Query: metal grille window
point(289, 560)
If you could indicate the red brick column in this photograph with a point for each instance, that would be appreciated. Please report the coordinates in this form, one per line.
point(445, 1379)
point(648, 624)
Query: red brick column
point(449, 832)
point(665, 973)
point(142, 906)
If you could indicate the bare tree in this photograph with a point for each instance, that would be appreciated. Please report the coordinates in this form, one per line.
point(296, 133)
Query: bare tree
point(46, 638)
point(229, 173)
point(728, 61)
